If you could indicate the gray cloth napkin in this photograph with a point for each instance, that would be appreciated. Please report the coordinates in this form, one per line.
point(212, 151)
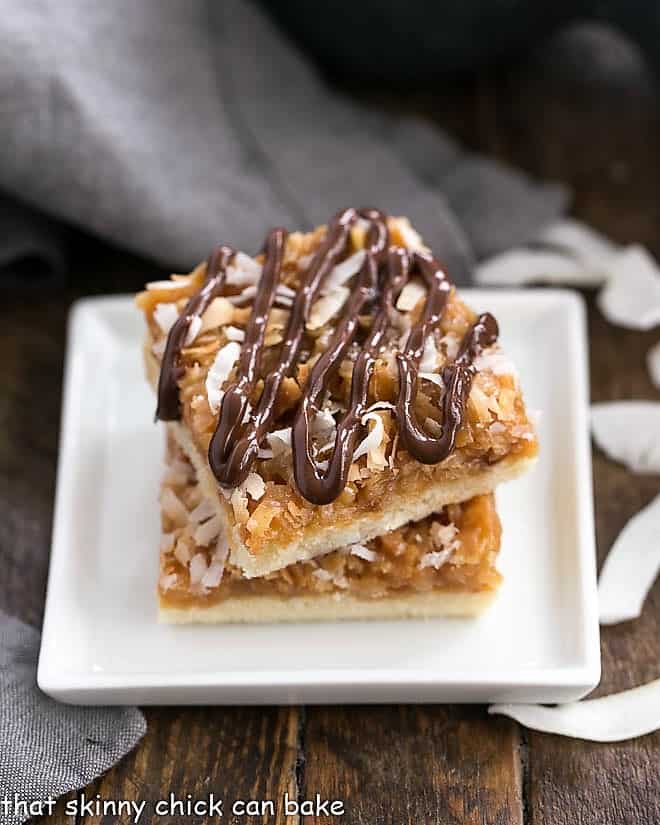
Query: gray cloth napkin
point(167, 126)
point(46, 748)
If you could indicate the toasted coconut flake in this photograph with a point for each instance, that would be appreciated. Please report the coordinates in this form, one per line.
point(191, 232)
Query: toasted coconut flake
point(254, 486)
point(204, 510)
point(194, 327)
point(158, 347)
point(165, 315)
point(167, 581)
point(434, 377)
point(157, 285)
point(495, 361)
point(436, 559)
point(167, 542)
point(239, 503)
point(327, 307)
point(323, 575)
point(653, 364)
point(410, 295)
point(207, 531)
point(631, 567)
point(197, 569)
point(235, 334)
point(612, 718)
point(363, 552)
point(343, 272)
point(218, 313)
point(631, 297)
point(219, 372)
point(173, 507)
point(373, 444)
point(243, 270)
point(182, 551)
point(280, 440)
point(451, 344)
point(629, 432)
point(243, 296)
point(444, 535)
point(429, 360)
point(410, 237)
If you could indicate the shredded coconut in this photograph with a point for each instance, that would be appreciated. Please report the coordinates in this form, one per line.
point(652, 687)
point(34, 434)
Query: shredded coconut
point(327, 307)
point(165, 315)
point(219, 373)
point(410, 295)
point(436, 559)
point(235, 334)
point(363, 552)
point(207, 531)
point(254, 486)
point(496, 361)
point(194, 327)
point(243, 270)
point(343, 272)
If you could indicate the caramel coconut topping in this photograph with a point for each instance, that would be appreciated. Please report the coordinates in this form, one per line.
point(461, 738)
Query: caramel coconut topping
point(385, 270)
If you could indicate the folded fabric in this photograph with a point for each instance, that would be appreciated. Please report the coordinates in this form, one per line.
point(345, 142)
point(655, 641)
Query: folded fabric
point(48, 748)
point(169, 126)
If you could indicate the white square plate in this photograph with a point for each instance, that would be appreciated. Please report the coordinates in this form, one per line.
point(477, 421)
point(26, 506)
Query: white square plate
point(101, 641)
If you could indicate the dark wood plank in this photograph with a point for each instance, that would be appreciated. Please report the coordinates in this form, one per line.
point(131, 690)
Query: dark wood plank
point(431, 764)
point(599, 131)
point(233, 753)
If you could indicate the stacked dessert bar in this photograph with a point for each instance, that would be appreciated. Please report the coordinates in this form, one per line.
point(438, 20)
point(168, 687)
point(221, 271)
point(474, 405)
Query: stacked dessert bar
point(337, 420)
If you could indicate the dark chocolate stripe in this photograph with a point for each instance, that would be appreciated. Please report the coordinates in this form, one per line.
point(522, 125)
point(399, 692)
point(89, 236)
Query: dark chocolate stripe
point(169, 406)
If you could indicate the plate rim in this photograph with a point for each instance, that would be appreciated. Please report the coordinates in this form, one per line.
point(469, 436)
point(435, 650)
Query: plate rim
point(571, 681)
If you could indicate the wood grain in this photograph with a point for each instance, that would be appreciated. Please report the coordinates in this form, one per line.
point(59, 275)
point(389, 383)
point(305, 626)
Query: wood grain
point(414, 764)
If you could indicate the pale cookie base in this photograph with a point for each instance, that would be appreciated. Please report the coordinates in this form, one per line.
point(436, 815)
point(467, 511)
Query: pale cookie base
point(327, 607)
point(314, 541)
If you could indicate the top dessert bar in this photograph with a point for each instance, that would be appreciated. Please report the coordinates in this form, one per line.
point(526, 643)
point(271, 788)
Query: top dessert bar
point(332, 388)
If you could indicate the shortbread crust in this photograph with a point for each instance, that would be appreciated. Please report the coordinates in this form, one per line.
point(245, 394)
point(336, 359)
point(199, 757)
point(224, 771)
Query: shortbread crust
point(441, 566)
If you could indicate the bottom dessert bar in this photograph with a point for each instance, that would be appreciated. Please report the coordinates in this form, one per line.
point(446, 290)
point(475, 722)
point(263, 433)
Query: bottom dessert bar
point(443, 565)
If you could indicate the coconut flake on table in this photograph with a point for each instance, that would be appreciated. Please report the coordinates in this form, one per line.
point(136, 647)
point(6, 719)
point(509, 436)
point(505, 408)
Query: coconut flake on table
point(218, 313)
point(567, 252)
point(631, 567)
point(631, 296)
point(243, 270)
point(410, 295)
point(327, 307)
point(219, 372)
point(343, 272)
point(166, 315)
point(612, 718)
point(629, 432)
point(363, 552)
point(653, 364)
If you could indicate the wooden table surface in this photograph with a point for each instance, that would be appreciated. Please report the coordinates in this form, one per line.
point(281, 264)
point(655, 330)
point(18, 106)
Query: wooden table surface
point(390, 764)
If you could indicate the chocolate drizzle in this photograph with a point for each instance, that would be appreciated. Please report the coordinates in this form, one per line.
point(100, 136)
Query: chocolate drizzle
point(243, 426)
point(169, 406)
